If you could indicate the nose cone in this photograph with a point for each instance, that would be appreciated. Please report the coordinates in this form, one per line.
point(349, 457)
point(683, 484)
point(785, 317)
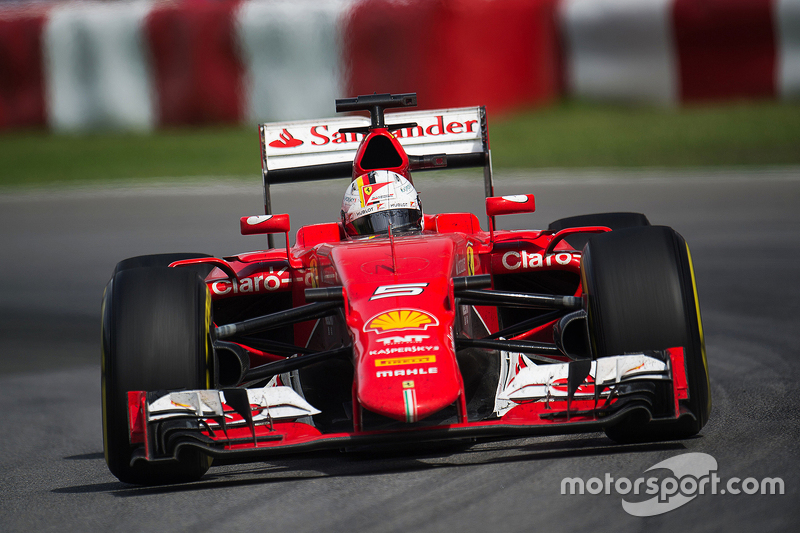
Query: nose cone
point(408, 374)
point(401, 315)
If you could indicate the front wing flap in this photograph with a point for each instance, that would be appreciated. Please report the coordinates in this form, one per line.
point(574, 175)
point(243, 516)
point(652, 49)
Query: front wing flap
point(531, 400)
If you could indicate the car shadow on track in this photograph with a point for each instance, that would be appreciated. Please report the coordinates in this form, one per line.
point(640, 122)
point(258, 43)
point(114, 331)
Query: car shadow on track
point(386, 461)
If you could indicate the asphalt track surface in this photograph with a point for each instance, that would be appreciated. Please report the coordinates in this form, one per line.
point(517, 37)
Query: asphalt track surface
point(59, 247)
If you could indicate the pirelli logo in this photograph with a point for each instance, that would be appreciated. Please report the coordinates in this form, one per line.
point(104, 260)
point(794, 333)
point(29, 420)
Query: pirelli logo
point(398, 361)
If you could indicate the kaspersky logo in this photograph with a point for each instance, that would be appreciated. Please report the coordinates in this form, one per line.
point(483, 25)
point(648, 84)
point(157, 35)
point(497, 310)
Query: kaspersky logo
point(287, 140)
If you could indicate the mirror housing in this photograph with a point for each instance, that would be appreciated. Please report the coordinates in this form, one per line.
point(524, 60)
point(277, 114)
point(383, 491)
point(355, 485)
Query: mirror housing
point(261, 224)
point(510, 205)
point(265, 224)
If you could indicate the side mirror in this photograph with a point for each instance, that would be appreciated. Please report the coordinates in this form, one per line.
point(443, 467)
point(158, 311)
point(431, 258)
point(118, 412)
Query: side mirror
point(510, 205)
point(261, 224)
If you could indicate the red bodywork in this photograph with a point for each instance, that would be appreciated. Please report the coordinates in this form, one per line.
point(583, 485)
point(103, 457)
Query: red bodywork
point(401, 316)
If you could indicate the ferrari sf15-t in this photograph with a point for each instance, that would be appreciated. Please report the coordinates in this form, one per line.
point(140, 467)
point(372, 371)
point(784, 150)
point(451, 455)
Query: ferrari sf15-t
point(395, 326)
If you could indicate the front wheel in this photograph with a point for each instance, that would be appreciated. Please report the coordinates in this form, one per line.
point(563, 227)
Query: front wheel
point(164, 260)
point(155, 336)
point(613, 221)
point(641, 296)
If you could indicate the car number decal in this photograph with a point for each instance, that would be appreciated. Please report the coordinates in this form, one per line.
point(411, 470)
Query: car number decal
point(401, 289)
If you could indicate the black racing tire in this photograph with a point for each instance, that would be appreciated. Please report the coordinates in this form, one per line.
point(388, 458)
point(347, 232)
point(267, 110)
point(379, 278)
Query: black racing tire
point(609, 220)
point(163, 260)
point(155, 336)
point(642, 296)
point(614, 221)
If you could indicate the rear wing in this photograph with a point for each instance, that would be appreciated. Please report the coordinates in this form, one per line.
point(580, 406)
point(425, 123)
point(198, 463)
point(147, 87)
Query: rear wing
point(312, 150)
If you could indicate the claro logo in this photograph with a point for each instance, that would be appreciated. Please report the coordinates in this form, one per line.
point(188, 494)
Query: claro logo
point(525, 260)
point(262, 282)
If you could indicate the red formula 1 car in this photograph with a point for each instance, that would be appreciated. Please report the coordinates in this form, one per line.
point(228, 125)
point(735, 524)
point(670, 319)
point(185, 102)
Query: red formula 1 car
point(394, 326)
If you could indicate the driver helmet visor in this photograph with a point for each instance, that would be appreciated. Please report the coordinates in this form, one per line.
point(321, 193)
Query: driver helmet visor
point(400, 219)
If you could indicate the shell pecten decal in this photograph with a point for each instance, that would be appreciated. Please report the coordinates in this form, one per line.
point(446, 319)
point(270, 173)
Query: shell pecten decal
point(400, 319)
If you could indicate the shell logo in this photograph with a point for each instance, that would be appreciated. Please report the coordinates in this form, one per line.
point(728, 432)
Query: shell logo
point(400, 319)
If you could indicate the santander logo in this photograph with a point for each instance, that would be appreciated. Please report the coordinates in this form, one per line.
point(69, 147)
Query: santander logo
point(447, 127)
point(286, 140)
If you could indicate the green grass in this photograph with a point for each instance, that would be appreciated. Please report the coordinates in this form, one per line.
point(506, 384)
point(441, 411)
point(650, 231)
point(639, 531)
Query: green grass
point(583, 135)
point(40, 157)
point(567, 135)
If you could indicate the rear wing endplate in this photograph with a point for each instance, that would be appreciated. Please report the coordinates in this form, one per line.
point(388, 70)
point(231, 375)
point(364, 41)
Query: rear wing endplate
point(312, 150)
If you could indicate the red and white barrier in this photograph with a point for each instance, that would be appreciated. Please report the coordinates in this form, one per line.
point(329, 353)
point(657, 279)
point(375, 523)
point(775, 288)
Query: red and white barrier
point(675, 51)
point(146, 64)
point(96, 67)
point(499, 53)
point(22, 85)
point(196, 69)
point(292, 55)
point(151, 63)
point(620, 50)
point(726, 49)
point(787, 14)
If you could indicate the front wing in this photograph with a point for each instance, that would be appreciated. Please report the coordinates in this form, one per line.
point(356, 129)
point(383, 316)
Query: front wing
point(243, 424)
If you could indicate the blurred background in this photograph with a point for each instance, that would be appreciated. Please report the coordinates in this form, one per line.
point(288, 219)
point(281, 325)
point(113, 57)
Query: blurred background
point(154, 88)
